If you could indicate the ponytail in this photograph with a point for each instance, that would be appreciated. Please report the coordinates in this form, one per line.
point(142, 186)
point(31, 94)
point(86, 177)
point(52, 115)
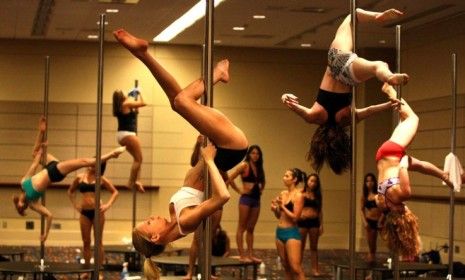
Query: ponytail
point(151, 271)
point(148, 249)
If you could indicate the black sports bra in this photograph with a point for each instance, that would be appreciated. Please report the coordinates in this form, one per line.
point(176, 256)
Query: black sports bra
point(289, 206)
point(370, 204)
point(333, 102)
point(311, 203)
point(85, 187)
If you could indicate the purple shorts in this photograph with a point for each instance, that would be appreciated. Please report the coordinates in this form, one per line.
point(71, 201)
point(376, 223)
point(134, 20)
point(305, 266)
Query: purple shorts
point(249, 201)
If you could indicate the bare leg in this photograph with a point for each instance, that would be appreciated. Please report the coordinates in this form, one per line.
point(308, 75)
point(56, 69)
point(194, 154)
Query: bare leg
point(133, 146)
point(252, 221)
point(244, 213)
point(405, 131)
point(280, 246)
point(364, 69)
point(314, 236)
point(428, 168)
point(294, 258)
point(372, 235)
point(206, 120)
point(86, 228)
point(68, 166)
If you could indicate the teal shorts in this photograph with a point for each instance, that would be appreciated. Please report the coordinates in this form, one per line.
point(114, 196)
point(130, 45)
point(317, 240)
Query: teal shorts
point(284, 234)
point(31, 193)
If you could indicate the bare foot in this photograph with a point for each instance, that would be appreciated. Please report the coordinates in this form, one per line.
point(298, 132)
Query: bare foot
point(255, 259)
point(221, 72)
point(398, 79)
point(118, 151)
point(187, 277)
point(135, 45)
point(388, 15)
point(139, 187)
point(245, 260)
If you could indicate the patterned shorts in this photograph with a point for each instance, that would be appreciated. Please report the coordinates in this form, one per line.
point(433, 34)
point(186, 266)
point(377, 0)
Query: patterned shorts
point(339, 63)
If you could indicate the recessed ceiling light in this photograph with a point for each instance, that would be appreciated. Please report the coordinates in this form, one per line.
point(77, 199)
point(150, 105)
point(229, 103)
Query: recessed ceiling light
point(382, 42)
point(306, 45)
point(239, 28)
point(259, 16)
point(92, 36)
point(112, 11)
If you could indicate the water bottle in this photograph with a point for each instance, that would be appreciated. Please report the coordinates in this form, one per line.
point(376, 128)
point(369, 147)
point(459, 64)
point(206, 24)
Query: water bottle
point(261, 269)
point(278, 263)
point(124, 272)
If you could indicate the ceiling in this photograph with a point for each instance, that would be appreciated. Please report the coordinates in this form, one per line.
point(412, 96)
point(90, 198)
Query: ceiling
point(288, 23)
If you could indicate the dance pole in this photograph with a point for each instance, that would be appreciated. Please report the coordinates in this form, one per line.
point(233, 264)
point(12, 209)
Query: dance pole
point(452, 149)
point(205, 248)
point(98, 151)
point(395, 255)
point(134, 191)
point(44, 151)
point(353, 169)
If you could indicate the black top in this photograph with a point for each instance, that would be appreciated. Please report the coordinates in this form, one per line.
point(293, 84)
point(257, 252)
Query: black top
point(127, 122)
point(333, 102)
point(370, 204)
point(312, 203)
point(290, 206)
point(84, 187)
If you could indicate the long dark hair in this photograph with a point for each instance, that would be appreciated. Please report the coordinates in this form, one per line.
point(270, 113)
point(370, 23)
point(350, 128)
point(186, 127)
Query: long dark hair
point(330, 143)
point(258, 164)
point(374, 189)
point(316, 191)
point(118, 99)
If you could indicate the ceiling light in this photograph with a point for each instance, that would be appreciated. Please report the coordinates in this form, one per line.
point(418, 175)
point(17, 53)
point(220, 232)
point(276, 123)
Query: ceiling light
point(112, 11)
point(217, 41)
point(382, 42)
point(92, 36)
point(98, 22)
point(239, 28)
point(306, 45)
point(259, 16)
point(186, 20)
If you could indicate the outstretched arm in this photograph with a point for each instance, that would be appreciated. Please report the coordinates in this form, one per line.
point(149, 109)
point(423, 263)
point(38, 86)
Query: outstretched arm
point(367, 112)
point(292, 102)
point(42, 210)
point(35, 162)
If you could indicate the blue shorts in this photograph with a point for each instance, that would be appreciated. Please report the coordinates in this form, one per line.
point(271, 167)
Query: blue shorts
point(284, 234)
point(249, 201)
point(29, 191)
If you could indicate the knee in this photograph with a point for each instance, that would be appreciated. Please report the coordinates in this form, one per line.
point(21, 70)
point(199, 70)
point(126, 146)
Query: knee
point(314, 247)
point(86, 244)
point(250, 229)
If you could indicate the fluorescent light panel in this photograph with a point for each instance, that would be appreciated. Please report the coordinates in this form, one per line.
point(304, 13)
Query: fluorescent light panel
point(186, 20)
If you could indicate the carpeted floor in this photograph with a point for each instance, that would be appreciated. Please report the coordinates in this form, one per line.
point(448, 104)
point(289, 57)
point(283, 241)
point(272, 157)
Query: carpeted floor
point(327, 259)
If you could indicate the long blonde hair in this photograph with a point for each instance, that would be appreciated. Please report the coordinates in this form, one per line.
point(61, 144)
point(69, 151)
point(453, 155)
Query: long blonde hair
point(148, 249)
point(401, 232)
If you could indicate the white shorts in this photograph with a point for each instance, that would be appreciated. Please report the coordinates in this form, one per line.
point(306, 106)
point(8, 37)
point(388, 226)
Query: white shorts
point(123, 133)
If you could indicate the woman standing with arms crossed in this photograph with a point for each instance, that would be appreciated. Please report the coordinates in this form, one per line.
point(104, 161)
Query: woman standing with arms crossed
point(253, 183)
point(311, 220)
point(371, 214)
point(125, 109)
point(85, 183)
point(287, 207)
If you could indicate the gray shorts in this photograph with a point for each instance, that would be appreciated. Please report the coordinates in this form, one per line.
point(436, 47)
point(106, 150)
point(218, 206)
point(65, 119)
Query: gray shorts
point(340, 65)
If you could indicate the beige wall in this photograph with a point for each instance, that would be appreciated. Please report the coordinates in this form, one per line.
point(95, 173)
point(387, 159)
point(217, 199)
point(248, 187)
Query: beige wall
point(252, 101)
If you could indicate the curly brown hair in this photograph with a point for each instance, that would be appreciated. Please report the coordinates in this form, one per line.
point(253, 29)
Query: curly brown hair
point(330, 143)
point(401, 232)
